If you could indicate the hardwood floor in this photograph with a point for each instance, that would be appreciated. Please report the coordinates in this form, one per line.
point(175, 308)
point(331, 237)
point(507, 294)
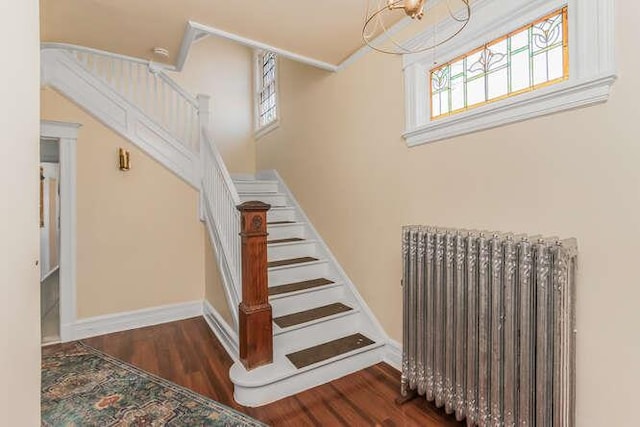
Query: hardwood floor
point(188, 354)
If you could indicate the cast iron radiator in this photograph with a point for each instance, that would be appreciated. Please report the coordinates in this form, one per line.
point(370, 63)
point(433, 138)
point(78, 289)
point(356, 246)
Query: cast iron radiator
point(489, 325)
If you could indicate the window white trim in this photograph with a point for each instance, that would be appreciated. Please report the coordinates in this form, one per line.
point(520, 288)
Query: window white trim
point(591, 67)
point(261, 131)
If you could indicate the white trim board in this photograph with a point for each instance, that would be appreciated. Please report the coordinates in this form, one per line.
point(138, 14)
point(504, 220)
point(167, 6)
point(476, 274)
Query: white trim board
point(221, 329)
point(110, 323)
point(255, 44)
point(393, 354)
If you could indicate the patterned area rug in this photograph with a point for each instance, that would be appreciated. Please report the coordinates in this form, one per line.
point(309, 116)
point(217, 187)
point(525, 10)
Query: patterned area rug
point(82, 386)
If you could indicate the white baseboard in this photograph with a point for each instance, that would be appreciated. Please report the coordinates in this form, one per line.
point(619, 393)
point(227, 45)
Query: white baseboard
point(221, 329)
point(393, 354)
point(110, 323)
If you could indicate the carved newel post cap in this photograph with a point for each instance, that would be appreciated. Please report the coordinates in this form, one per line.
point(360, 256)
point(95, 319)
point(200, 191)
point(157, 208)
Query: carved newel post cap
point(253, 206)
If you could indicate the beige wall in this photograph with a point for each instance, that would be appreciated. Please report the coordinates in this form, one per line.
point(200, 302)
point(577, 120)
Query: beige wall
point(214, 288)
point(139, 240)
point(223, 70)
point(19, 232)
point(571, 174)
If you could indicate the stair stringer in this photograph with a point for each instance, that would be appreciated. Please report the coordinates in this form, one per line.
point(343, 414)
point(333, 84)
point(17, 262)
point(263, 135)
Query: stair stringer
point(313, 234)
point(62, 72)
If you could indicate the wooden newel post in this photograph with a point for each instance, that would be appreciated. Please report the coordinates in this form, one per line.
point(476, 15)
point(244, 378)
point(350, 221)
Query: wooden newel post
point(256, 329)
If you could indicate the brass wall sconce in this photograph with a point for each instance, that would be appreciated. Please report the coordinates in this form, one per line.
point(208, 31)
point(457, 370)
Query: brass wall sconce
point(125, 162)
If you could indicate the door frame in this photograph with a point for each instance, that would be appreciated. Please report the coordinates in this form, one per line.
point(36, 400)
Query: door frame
point(67, 136)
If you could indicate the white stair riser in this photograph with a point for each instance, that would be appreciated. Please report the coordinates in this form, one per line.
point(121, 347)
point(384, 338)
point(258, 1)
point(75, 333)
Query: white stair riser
point(291, 250)
point(329, 330)
point(297, 274)
point(271, 199)
point(281, 214)
point(307, 300)
point(256, 396)
point(285, 231)
point(256, 186)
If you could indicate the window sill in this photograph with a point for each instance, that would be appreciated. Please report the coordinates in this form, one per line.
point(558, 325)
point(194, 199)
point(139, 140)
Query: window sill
point(561, 97)
point(263, 131)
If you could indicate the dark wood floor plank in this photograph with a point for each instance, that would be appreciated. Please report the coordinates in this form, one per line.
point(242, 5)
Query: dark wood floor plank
point(365, 398)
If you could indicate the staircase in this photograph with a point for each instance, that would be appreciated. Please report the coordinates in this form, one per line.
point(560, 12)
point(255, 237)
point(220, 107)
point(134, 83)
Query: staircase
point(322, 329)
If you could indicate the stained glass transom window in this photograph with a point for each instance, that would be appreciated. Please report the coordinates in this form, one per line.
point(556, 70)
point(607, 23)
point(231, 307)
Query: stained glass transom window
point(267, 97)
point(529, 58)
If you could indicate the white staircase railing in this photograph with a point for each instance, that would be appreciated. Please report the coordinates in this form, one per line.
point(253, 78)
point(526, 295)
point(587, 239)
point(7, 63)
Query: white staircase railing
point(144, 84)
point(220, 198)
point(138, 100)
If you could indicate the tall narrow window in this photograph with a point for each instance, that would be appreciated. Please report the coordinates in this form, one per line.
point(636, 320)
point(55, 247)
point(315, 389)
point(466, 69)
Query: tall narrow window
point(529, 58)
point(267, 93)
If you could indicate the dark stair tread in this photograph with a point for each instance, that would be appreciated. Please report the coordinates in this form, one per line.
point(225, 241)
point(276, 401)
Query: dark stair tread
point(318, 353)
point(281, 222)
point(310, 315)
point(299, 286)
point(290, 240)
point(291, 261)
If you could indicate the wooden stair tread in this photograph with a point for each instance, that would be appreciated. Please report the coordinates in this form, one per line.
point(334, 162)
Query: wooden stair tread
point(318, 353)
point(310, 315)
point(299, 286)
point(292, 261)
point(290, 240)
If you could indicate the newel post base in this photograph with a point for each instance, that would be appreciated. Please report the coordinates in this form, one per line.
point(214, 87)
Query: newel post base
point(256, 327)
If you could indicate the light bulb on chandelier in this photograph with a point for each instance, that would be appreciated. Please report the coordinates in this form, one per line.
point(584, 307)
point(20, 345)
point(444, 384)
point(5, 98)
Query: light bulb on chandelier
point(379, 37)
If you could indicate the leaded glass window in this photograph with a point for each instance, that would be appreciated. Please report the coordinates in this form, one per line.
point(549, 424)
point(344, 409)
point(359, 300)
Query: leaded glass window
point(267, 105)
point(529, 58)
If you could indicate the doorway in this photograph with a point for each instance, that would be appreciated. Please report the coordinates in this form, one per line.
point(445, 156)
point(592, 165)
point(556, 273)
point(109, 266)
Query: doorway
point(58, 241)
point(50, 240)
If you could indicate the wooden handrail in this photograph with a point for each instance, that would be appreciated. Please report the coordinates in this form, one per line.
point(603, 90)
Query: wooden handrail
point(256, 329)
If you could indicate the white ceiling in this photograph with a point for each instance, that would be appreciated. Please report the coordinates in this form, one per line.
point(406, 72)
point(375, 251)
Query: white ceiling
point(324, 30)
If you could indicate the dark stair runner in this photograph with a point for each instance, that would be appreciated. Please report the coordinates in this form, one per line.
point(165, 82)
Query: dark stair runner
point(291, 261)
point(330, 349)
point(299, 286)
point(310, 315)
point(290, 240)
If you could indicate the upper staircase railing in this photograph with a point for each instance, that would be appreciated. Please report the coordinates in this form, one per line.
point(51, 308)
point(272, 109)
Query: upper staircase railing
point(145, 85)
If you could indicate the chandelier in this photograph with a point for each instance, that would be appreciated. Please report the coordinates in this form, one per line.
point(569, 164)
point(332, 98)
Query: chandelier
point(378, 35)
